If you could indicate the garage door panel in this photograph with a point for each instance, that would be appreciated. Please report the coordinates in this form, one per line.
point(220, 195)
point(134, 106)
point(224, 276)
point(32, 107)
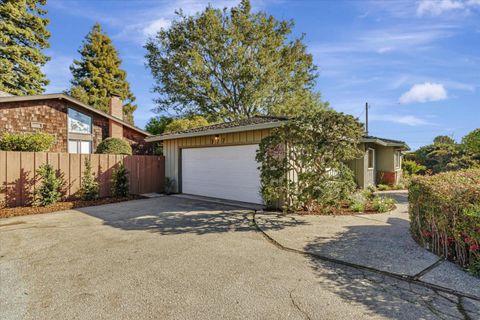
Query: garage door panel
point(222, 172)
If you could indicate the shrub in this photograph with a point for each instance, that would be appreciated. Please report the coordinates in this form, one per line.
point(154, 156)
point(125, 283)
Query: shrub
point(383, 187)
point(114, 146)
point(89, 186)
point(315, 146)
point(30, 141)
point(383, 204)
point(357, 206)
point(50, 190)
point(445, 215)
point(120, 187)
point(411, 167)
point(169, 184)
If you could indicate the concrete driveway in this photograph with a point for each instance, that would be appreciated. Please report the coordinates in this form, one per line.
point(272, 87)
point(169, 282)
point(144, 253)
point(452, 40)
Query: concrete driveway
point(172, 258)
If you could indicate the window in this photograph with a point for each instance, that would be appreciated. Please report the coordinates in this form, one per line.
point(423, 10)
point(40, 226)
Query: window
point(398, 159)
point(79, 122)
point(371, 158)
point(79, 146)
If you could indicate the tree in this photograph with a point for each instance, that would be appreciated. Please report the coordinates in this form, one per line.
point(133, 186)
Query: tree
point(23, 35)
point(97, 75)
point(186, 123)
point(157, 125)
point(443, 140)
point(314, 147)
point(232, 64)
point(471, 142)
point(89, 187)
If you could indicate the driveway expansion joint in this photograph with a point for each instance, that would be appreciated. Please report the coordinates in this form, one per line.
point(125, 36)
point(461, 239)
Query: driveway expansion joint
point(402, 277)
point(428, 269)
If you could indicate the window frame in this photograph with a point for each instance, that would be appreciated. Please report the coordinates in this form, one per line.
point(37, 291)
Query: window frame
point(78, 144)
point(83, 114)
point(398, 159)
point(372, 158)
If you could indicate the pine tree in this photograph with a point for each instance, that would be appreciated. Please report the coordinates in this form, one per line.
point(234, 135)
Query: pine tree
point(97, 75)
point(23, 35)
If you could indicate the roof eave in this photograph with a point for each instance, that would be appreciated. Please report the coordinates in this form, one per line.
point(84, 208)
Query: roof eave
point(268, 125)
point(62, 96)
point(386, 143)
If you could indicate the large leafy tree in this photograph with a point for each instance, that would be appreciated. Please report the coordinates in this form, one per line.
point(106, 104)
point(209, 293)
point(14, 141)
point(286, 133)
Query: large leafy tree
point(313, 148)
point(23, 35)
point(97, 75)
point(230, 64)
point(471, 142)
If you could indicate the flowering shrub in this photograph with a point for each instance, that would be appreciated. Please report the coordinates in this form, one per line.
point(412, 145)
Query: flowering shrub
point(445, 215)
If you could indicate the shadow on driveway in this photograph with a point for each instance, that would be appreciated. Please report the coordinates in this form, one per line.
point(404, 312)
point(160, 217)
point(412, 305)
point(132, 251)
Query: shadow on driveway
point(171, 215)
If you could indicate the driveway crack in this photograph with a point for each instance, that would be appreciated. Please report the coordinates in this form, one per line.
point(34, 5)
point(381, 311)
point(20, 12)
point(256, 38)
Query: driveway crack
point(295, 304)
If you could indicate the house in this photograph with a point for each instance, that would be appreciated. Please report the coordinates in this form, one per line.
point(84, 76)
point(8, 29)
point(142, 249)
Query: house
point(77, 127)
point(219, 160)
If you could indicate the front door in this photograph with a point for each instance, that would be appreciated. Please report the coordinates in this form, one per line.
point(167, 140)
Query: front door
point(371, 168)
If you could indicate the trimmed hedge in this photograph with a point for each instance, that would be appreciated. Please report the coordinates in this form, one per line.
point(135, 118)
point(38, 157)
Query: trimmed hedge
point(28, 141)
point(114, 146)
point(445, 215)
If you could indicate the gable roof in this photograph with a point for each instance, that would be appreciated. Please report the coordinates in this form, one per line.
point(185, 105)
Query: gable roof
point(254, 123)
point(62, 96)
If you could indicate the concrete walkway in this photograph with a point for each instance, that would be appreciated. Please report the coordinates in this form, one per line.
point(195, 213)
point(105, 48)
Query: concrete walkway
point(380, 241)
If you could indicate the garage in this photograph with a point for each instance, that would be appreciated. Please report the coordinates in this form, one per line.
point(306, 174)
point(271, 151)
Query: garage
point(226, 172)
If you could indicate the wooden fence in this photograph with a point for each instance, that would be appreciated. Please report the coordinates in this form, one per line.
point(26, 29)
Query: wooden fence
point(19, 178)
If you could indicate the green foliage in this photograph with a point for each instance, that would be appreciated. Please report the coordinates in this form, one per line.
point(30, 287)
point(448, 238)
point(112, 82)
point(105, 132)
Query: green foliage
point(471, 143)
point(50, 190)
point(383, 204)
point(31, 141)
point(114, 146)
point(383, 187)
point(157, 125)
point(446, 155)
point(97, 75)
point(357, 206)
point(23, 36)
point(186, 123)
point(169, 185)
point(445, 215)
point(443, 140)
point(410, 167)
point(315, 147)
point(231, 64)
point(89, 187)
point(120, 186)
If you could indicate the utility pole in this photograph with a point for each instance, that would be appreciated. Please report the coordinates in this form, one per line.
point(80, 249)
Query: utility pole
point(366, 118)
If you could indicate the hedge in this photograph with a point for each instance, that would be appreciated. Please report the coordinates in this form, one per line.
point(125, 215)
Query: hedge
point(445, 215)
point(28, 141)
point(114, 146)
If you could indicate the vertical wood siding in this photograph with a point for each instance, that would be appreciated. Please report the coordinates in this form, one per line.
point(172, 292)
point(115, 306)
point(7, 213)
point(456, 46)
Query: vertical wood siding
point(19, 177)
point(171, 148)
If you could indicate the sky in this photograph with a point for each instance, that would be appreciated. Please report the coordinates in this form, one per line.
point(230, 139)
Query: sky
point(417, 63)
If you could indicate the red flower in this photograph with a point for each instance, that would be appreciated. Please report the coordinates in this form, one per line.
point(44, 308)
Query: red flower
point(474, 247)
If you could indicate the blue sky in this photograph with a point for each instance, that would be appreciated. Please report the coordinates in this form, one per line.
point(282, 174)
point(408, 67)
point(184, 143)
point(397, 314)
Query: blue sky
point(416, 62)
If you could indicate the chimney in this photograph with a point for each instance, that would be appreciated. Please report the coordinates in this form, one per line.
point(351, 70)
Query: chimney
point(115, 106)
point(116, 110)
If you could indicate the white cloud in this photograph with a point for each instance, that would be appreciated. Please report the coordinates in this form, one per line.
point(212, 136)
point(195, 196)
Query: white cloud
point(424, 92)
point(155, 26)
point(437, 7)
point(409, 120)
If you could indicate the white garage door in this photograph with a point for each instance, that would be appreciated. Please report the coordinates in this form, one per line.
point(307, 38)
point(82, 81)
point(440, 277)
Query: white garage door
point(222, 172)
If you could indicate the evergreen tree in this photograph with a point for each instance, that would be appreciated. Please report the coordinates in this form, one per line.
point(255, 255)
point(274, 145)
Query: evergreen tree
point(23, 35)
point(97, 75)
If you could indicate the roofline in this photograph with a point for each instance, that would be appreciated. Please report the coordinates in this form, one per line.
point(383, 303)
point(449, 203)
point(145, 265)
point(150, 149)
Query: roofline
point(258, 126)
point(385, 143)
point(62, 96)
